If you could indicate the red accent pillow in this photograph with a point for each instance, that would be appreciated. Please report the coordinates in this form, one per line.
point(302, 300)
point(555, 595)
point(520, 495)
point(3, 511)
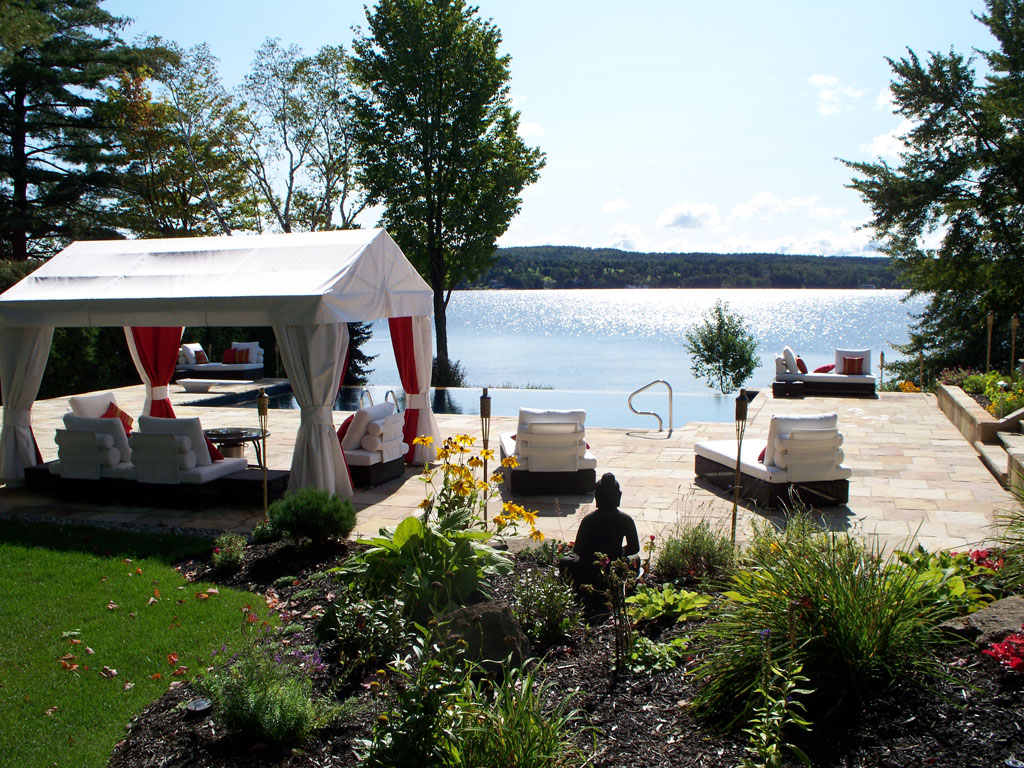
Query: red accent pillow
point(241, 355)
point(825, 368)
point(228, 356)
point(801, 365)
point(760, 456)
point(343, 429)
point(853, 366)
point(215, 454)
point(113, 412)
point(201, 358)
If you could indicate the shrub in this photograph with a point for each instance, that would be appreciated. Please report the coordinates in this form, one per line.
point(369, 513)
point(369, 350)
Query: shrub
point(228, 553)
point(650, 656)
point(429, 569)
point(312, 514)
point(956, 377)
point(854, 620)
point(666, 605)
point(548, 552)
point(695, 551)
point(967, 581)
point(723, 351)
point(367, 630)
point(264, 532)
point(973, 384)
point(545, 607)
point(264, 698)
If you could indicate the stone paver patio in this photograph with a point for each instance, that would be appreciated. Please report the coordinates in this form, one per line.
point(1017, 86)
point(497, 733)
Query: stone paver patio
point(914, 476)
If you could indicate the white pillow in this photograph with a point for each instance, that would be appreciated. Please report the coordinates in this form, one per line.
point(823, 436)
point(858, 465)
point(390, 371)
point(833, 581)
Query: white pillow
point(790, 357)
point(357, 429)
point(91, 406)
point(255, 351)
point(865, 368)
point(784, 425)
point(189, 350)
point(190, 428)
point(780, 366)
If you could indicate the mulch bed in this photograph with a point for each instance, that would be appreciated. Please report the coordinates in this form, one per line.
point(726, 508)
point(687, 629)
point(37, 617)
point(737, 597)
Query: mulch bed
point(976, 718)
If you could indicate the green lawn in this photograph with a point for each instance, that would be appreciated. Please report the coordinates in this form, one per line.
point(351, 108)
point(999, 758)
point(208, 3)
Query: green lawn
point(93, 626)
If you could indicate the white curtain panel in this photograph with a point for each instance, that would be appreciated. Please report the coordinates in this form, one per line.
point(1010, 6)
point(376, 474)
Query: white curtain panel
point(313, 356)
point(424, 351)
point(23, 353)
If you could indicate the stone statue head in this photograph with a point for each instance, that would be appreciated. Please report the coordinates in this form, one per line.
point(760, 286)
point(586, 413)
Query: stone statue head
point(607, 493)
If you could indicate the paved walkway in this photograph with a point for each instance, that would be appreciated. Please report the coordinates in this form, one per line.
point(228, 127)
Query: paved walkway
point(914, 476)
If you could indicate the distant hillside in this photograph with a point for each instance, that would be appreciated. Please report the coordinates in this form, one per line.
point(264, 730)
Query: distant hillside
point(547, 266)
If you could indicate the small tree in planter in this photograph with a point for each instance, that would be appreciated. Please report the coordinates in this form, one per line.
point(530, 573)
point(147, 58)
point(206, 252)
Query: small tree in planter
point(312, 514)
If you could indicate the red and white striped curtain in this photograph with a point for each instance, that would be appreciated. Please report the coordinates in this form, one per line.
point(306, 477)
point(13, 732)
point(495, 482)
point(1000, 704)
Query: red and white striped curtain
point(155, 352)
point(414, 351)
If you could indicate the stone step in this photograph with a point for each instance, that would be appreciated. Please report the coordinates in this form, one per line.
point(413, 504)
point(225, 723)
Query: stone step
point(994, 456)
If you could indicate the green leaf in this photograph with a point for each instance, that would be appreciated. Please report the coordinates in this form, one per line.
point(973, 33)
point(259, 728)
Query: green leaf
point(411, 526)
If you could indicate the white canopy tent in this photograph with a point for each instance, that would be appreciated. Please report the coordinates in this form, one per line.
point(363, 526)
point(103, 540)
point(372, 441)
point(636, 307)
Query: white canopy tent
point(307, 286)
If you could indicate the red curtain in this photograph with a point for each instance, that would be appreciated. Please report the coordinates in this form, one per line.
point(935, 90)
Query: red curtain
point(402, 343)
point(158, 352)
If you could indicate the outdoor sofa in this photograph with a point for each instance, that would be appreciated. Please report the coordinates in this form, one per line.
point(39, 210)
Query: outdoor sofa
point(849, 376)
point(551, 450)
point(372, 442)
point(194, 363)
point(802, 459)
point(164, 462)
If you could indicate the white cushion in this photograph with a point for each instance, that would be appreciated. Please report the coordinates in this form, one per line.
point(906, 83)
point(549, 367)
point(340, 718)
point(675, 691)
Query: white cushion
point(361, 420)
point(789, 357)
point(190, 428)
point(780, 366)
point(783, 425)
point(255, 351)
point(112, 427)
point(91, 406)
point(204, 474)
point(189, 350)
point(386, 425)
point(865, 353)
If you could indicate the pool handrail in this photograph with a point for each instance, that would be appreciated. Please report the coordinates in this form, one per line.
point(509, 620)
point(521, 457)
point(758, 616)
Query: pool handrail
point(652, 413)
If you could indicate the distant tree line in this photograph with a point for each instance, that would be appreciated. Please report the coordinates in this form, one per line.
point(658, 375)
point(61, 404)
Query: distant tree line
point(572, 267)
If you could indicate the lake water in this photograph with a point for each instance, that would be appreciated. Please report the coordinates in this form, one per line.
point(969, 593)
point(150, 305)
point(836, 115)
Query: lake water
point(594, 347)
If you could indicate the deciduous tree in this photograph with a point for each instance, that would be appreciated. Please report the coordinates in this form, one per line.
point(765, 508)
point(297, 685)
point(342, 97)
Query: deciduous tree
point(723, 350)
point(438, 140)
point(951, 212)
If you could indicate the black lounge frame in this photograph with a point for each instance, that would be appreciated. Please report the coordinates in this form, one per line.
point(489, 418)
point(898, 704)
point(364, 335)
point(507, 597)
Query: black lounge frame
point(372, 475)
point(820, 493)
point(810, 388)
point(253, 374)
point(243, 488)
point(578, 483)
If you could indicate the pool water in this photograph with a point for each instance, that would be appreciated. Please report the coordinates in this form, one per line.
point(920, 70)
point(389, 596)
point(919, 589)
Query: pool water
point(604, 409)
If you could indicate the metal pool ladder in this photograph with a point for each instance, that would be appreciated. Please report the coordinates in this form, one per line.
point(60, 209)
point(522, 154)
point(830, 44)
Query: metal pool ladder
point(651, 413)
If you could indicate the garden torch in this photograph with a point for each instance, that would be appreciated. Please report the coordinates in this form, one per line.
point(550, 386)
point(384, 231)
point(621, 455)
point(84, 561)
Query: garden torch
point(263, 410)
point(485, 432)
point(741, 427)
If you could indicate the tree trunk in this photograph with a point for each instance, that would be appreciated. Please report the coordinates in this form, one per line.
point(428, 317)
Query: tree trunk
point(19, 179)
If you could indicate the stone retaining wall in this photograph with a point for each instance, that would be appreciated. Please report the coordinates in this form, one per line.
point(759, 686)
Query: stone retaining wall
point(974, 422)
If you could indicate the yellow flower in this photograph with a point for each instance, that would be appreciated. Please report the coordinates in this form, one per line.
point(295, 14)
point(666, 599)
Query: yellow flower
point(475, 462)
point(444, 454)
point(530, 517)
point(536, 535)
point(462, 487)
point(482, 485)
point(424, 504)
point(423, 440)
point(465, 440)
point(501, 521)
point(486, 453)
point(497, 478)
point(510, 462)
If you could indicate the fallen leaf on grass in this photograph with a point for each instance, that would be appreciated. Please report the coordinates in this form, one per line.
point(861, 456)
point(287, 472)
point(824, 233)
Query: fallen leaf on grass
point(213, 591)
point(172, 659)
point(182, 670)
point(70, 633)
point(67, 657)
point(51, 710)
point(175, 684)
point(156, 676)
point(202, 596)
point(128, 685)
point(127, 560)
point(89, 650)
point(108, 672)
point(156, 592)
point(138, 571)
point(68, 667)
point(151, 601)
point(74, 641)
point(132, 614)
point(111, 606)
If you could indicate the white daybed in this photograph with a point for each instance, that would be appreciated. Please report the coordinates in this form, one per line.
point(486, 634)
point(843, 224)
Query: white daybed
point(791, 382)
point(189, 367)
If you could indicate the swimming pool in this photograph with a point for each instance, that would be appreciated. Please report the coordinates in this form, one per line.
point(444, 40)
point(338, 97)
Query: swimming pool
point(604, 409)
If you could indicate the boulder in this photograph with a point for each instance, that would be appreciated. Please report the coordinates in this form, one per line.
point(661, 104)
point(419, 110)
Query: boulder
point(991, 624)
point(492, 634)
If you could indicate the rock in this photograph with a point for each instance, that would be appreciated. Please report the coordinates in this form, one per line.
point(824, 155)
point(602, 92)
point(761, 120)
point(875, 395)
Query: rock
point(491, 633)
point(991, 624)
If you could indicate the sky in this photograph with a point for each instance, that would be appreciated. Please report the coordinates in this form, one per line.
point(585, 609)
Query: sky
point(668, 125)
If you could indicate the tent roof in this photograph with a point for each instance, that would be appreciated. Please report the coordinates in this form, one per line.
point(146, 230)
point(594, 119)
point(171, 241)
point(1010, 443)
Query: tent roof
point(309, 278)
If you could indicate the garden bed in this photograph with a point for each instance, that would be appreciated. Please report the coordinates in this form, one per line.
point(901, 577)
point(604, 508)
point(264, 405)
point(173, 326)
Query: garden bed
point(972, 718)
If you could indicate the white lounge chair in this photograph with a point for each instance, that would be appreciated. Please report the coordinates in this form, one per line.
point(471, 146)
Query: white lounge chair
point(551, 450)
point(372, 444)
point(801, 459)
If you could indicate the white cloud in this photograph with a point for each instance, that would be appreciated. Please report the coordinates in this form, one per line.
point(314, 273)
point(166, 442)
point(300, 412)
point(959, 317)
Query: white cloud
point(689, 215)
point(883, 101)
point(833, 96)
point(889, 144)
point(614, 206)
point(763, 204)
point(625, 237)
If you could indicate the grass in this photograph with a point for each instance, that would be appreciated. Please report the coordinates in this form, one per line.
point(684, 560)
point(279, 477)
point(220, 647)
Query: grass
point(130, 611)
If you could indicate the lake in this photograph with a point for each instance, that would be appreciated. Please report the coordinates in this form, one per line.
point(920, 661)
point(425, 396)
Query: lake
point(596, 346)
